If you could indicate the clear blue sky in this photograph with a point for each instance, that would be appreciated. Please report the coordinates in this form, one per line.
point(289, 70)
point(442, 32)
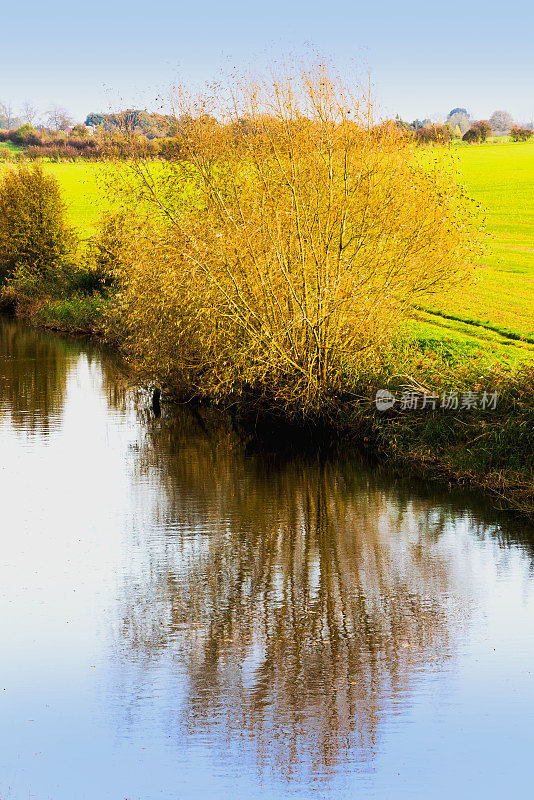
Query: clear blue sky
point(424, 57)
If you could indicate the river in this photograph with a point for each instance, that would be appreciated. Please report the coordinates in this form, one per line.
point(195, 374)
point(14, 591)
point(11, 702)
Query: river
point(186, 616)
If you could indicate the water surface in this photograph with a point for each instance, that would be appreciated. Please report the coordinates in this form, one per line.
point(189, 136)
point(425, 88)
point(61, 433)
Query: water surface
point(183, 618)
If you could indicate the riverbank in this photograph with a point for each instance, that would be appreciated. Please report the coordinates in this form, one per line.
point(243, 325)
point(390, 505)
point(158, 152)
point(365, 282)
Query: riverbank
point(479, 435)
point(81, 315)
point(485, 443)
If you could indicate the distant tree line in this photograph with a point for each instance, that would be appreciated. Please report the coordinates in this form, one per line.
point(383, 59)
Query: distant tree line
point(459, 125)
point(135, 121)
point(153, 135)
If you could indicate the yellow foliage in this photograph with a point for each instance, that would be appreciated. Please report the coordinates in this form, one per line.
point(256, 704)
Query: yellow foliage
point(286, 242)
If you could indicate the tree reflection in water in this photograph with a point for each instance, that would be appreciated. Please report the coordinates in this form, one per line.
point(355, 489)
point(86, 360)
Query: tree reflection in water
point(302, 599)
point(37, 369)
point(34, 371)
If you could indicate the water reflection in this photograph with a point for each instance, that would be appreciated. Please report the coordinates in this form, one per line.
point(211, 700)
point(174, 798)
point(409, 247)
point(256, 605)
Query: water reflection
point(33, 377)
point(305, 599)
point(239, 619)
point(35, 371)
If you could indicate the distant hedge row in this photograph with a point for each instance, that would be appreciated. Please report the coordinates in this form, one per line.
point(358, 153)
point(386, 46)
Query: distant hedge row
point(79, 144)
point(106, 145)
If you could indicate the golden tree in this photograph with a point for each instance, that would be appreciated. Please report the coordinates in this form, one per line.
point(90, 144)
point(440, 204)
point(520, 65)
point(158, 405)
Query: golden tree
point(293, 235)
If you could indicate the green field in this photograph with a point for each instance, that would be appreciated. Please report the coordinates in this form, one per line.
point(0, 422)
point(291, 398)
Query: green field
point(13, 148)
point(83, 192)
point(494, 314)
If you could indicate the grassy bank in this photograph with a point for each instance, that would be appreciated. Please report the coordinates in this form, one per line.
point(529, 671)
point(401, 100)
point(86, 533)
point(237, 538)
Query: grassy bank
point(496, 311)
point(483, 447)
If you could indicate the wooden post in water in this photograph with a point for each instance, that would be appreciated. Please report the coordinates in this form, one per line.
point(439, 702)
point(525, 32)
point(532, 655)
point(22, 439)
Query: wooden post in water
point(156, 401)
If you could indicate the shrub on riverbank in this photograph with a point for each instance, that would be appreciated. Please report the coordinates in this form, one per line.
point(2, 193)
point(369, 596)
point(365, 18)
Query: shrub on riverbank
point(40, 257)
point(37, 248)
point(292, 241)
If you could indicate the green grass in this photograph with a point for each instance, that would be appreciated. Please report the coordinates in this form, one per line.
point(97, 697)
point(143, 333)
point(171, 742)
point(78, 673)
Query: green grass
point(13, 148)
point(78, 313)
point(496, 312)
point(83, 192)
